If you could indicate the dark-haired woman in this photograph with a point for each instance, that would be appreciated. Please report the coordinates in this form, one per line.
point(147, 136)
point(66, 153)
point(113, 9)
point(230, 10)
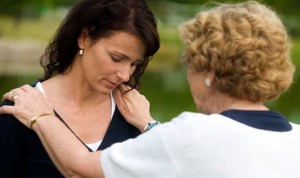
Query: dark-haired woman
point(99, 45)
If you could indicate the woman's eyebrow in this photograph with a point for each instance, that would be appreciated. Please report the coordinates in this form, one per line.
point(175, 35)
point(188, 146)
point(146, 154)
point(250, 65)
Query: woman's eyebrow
point(127, 57)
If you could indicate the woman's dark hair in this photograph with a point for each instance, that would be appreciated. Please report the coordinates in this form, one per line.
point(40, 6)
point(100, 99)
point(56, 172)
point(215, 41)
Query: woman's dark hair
point(101, 18)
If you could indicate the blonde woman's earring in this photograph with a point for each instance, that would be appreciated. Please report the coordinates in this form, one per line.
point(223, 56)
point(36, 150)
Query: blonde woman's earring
point(207, 82)
point(81, 52)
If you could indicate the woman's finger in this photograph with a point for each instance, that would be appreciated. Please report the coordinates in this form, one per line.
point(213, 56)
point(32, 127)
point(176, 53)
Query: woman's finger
point(118, 96)
point(13, 94)
point(124, 88)
point(27, 88)
point(6, 110)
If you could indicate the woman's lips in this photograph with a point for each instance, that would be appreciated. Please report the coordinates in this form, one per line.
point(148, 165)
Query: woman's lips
point(112, 85)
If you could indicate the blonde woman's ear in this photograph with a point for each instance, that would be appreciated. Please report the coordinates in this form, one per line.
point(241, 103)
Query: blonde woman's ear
point(209, 78)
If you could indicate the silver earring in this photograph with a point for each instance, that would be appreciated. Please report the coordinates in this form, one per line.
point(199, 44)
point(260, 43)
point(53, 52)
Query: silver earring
point(81, 52)
point(207, 82)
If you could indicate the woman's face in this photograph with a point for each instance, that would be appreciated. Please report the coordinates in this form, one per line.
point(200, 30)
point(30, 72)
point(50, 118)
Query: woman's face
point(200, 92)
point(111, 61)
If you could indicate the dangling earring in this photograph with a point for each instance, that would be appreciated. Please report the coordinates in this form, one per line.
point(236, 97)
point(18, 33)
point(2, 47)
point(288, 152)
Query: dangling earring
point(207, 82)
point(81, 52)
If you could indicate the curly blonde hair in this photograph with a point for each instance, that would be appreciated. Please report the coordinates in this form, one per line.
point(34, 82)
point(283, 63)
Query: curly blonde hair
point(247, 47)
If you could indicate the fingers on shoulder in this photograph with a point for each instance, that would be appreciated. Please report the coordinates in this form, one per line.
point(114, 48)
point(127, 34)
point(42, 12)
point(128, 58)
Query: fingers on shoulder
point(26, 87)
point(6, 109)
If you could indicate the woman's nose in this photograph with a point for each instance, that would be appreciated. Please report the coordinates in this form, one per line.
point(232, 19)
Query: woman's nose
point(124, 73)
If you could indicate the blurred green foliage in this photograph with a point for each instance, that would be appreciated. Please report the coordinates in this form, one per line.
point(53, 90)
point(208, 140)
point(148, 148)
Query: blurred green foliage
point(286, 6)
point(163, 9)
point(35, 29)
point(175, 11)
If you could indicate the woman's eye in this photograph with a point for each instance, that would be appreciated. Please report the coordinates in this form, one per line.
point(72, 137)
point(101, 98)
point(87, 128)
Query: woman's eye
point(116, 59)
point(137, 63)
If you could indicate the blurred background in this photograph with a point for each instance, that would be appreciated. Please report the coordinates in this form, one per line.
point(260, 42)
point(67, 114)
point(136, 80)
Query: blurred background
point(26, 26)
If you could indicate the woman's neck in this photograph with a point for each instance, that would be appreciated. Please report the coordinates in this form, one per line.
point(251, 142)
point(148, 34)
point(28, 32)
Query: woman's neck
point(223, 102)
point(247, 105)
point(72, 89)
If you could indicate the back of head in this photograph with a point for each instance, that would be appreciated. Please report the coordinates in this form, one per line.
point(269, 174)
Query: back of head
point(101, 18)
point(247, 47)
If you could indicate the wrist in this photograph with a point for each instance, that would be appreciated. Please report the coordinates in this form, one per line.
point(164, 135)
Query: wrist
point(150, 125)
point(35, 118)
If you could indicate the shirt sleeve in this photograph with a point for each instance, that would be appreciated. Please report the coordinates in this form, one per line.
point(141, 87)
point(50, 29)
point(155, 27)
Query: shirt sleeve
point(145, 156)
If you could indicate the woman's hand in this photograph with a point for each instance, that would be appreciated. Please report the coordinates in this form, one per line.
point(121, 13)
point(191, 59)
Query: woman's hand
point(29, 102)
point(134, 107)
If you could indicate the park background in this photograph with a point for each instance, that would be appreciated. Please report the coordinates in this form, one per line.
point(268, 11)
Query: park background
point(26, 26)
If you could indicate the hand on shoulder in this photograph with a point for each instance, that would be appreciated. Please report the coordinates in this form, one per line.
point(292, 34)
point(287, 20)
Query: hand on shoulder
point(133, 106)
